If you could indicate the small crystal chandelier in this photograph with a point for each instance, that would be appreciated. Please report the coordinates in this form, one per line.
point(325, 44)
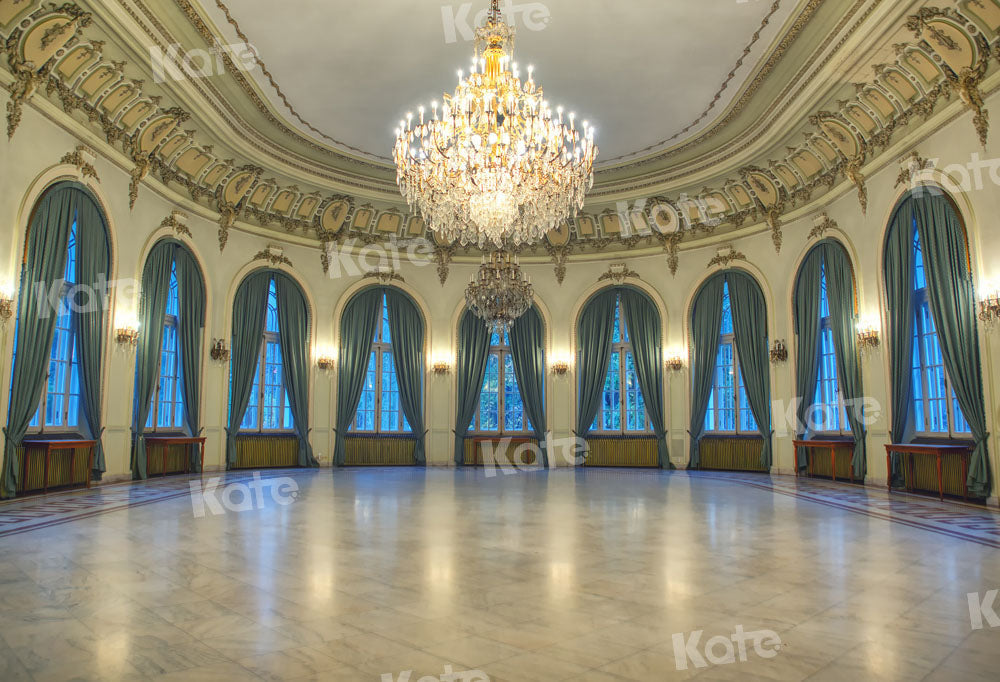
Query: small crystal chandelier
point(500, 293)
point(495, 163)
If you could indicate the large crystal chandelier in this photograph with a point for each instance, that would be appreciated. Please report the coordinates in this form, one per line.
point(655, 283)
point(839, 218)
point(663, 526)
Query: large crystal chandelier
point(500, 293)
point(494, 163)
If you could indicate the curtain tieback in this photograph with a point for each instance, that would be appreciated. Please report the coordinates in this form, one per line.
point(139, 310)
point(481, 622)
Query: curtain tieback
point(10, 441)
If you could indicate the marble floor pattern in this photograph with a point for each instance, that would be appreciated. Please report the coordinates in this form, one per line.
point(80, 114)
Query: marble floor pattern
point(562, 575)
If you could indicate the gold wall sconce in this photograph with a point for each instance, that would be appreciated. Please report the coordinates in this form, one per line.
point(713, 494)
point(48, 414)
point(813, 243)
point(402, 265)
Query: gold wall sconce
point(675, 363)
point(989, 310)
point(779, 352)
point(6, 306)
point(219, 352)
point(325, 363)
point(127, 336)
point(560, 368)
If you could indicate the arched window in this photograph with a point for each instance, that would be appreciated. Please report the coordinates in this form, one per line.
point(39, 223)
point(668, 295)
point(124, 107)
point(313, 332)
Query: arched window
point(501, 408)
point(829, 414)
point(59, 408)
point(167, 410)
point(936, 411)
point(269, 409)
point(622, 409)
point(379, 410)
point(728, 406)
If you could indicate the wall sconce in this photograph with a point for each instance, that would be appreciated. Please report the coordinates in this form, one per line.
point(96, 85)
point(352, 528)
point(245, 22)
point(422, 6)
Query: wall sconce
point(219, 352)
point(868, 335)
point(6, 303)
point(325, 363)
point(989, 309)
point(127, 336)
point(560, 368)
point(441, 367)
point(779, 352)
point(675, 363)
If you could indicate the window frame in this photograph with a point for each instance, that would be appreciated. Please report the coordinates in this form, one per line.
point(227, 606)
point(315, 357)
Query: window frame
point(268, 337)
point(380, 348)
point(622, 349)
point(840, 405)
point(501, 351)
point(739, 389)
point(170, 321)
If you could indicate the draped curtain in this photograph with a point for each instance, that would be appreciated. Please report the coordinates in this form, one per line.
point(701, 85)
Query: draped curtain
point(527, 351)
point(750, 332)
point(249, 314)
point(594, 337)
point(191, 331)
point(898, 266)
point(706, 326)
point(951, 297)
point(293, 332)
point(152, 311)
point(840, 294)
point(473, 355)
point(806, 304)
point(93, 264)
point(358, 324)
point(42, 268)
point(406, 327)
point(642, 320)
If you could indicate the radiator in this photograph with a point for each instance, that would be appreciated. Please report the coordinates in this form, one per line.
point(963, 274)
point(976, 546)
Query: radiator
point(266, 452)
point(924, 477)
point(732, 454)
point(622, 452)
point(178, 458)
point(379, 450)
point(509, 456)
point(820, 458)
point(59, 471)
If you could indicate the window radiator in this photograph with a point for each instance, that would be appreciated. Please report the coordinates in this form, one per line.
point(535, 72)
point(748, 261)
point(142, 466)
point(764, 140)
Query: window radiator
point(475, 452)
point(178, 457)
point(266, 452)
point(59, 471)
point(622, 452)
point(924, 476)
point(378, 450)
point(733, 454)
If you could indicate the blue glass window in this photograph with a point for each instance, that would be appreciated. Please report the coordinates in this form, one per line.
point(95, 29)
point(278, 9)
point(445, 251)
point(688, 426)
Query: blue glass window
point(623, 408)
point(380, 410)
point(269, 409)
point(828, 413)
point(501, 407)
point(728, 405)
point(167, 410)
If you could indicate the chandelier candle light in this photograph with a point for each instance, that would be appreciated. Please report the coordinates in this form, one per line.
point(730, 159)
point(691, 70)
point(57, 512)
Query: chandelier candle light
point(500, 293)
point(494, 164)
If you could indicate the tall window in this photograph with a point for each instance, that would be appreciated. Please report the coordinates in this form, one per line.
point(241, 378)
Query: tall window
point(379, 410)
point(269, 409)
point(623, 409)
point(728, 407)
point(59, 409)
point(501, 409)
point(828, 413)
point(935, 407)
point(168, 402)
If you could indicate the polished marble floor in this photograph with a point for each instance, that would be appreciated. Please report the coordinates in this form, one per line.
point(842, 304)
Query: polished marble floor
point(589, 575)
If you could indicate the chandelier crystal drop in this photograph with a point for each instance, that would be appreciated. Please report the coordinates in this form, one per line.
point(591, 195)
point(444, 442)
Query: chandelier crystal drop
point(494, 163)
point(500, 293)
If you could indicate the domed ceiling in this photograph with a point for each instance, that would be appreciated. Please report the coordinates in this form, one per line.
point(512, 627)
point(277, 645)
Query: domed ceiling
point(714, 118)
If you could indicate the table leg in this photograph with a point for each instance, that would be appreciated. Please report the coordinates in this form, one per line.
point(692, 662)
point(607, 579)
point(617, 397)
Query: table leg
point(888, 471)
point(202, 448)
point(90, 464)
point(940, 479)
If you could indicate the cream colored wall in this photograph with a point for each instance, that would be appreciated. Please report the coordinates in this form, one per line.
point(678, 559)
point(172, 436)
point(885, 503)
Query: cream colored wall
point(31, 161)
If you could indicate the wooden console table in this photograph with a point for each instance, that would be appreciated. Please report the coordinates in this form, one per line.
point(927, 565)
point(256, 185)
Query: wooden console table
point(832, 445)
point(167, 441)
point(47, 445)
point(963, 451)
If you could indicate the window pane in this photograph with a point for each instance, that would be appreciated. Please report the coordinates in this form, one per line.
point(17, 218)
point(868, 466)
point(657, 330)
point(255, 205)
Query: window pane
point(611, 412)
point(725, 397)
point(271, 322)
point(365, 419)
point(635, 406)
point(826, 408)
point(389, 417)
point(250, 420)
point(489, 396)
point(727, 312)
point(274, 387)
point(386, 336)
point(513, 407)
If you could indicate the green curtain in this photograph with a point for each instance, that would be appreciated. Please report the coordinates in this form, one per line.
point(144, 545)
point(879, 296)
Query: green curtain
point(293, 329)
point(406, 327)
point(357, 333)
point(249, 314)
point(527, 352)
point(42, 268)
point(840, 294)
point(951, 297)
point(152, 310)
point(595, 333)
point(473, 355)
point(750, 331)
point(642, 320)
point(898, 266)
point(93, 263)
point(191, 330)
point(806, 304)
point(706, 326)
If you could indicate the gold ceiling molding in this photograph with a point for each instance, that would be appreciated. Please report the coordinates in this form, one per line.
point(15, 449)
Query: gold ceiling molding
point(273, 254)
point(726, 256)
point(821, 224)
point(618, 273)
point(909, 167)
point(386, 276)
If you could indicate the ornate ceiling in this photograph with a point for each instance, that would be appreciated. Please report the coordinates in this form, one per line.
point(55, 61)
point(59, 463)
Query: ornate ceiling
point(289, 139)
